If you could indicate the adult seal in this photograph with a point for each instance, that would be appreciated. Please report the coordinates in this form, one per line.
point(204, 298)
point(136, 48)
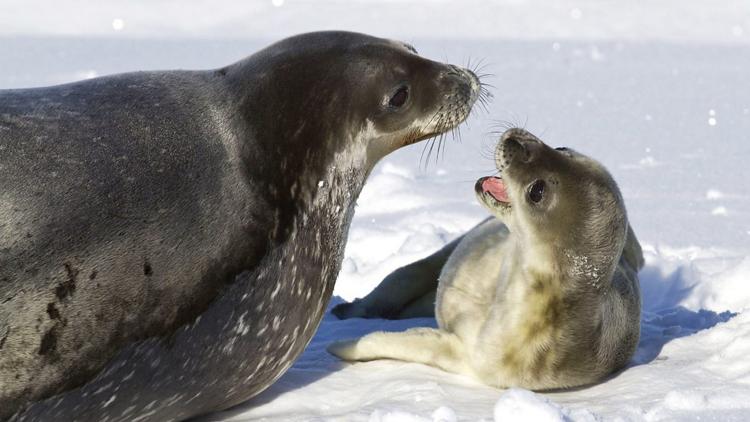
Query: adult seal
point(169, 241)
point(543, 296)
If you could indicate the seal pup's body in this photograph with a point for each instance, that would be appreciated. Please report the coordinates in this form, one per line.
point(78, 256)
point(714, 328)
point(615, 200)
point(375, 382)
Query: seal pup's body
point(169, 240)
point(543, 296)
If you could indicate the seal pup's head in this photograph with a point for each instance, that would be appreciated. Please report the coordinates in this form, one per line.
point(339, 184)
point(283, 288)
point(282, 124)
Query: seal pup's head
point(558, 199)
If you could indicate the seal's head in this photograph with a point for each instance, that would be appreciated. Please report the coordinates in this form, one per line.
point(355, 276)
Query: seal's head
point(555, 197)
point(338, 91)
point(322, 108)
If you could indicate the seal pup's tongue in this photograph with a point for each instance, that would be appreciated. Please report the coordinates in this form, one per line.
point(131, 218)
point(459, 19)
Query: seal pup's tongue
point(496, 187)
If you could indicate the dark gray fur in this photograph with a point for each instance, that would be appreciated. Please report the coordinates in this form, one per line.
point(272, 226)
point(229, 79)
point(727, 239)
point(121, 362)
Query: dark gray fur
point(166, 248)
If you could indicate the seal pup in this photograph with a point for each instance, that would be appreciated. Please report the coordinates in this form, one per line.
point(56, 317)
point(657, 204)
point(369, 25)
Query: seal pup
point(169, 240)
point(545, 295)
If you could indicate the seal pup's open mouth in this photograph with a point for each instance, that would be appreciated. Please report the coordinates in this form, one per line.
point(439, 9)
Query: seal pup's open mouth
point(493, 192)
point(495, 187)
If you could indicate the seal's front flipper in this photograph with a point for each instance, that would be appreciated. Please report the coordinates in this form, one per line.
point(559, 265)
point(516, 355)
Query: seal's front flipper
point(408, 292)
point(421, 345)
point(632, 252)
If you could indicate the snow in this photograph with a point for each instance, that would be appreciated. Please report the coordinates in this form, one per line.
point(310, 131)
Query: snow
point(657, 91)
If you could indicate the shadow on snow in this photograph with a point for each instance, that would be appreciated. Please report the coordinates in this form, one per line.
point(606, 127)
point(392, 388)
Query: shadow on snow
point(663, 319)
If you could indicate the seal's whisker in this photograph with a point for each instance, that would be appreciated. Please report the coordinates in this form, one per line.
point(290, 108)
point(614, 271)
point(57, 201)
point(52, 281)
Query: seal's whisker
point(456, 133)
point(441, 149)
point(427, 148)
point(500, 126)
point(484, 98)
point(478, 70)
point(442, 140)
point(490, 155)
point(480, 66)
point(482, 75)
point(486, 85)
point(444, 146)
point(432, 146)
point(476, 65)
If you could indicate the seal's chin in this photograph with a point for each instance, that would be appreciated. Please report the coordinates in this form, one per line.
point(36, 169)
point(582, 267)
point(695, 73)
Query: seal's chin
point(419, 138)
point(492, 192)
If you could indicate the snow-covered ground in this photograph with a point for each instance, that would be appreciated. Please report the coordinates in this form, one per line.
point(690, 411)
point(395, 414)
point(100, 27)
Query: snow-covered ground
point(658, 91)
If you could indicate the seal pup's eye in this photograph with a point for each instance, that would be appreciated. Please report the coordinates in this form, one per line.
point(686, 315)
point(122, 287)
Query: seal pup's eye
point(536, 191)
point(399, 98)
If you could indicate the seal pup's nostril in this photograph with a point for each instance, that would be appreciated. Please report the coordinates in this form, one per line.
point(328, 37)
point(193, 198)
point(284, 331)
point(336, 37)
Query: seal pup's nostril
point(514, 147)
point(520, 143)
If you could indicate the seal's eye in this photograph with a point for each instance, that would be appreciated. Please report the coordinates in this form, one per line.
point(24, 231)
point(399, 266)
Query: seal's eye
point(536, 191)
point(399, 98)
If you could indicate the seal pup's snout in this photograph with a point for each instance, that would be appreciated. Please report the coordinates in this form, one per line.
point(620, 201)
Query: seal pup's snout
point(497, 192)
point(516, 144)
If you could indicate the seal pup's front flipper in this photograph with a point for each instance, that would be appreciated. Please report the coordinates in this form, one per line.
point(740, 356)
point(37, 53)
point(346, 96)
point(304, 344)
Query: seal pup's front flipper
point(632, 253)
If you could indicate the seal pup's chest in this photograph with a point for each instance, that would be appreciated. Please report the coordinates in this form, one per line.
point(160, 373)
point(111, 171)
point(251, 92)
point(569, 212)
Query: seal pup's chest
point(487, 295)
point(471, 280)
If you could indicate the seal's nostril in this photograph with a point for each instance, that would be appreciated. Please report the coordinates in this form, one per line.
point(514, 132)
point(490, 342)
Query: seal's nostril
point(513, 144)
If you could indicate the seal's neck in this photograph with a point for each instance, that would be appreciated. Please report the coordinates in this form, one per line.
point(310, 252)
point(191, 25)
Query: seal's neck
point(533, 255)
point(588, 270)
point(323, 196)
point(565, 265)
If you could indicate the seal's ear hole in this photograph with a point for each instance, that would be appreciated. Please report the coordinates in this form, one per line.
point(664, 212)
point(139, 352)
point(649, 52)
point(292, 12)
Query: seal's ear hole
point(536, 191)
point(399, 98)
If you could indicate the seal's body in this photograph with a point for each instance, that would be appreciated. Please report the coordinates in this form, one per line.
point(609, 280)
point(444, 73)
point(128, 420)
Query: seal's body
point(169, 240)
point(543, 296)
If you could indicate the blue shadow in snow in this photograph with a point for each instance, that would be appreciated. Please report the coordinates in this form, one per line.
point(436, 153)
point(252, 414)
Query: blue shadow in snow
point(663, 319)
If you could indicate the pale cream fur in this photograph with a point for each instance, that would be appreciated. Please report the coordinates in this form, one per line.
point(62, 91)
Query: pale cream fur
point(515, 307)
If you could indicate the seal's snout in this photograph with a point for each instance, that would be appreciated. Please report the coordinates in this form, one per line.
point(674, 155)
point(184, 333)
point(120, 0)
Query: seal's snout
point(467, 81)
point(516, 144)
point(457, 91)
point(453, 70)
